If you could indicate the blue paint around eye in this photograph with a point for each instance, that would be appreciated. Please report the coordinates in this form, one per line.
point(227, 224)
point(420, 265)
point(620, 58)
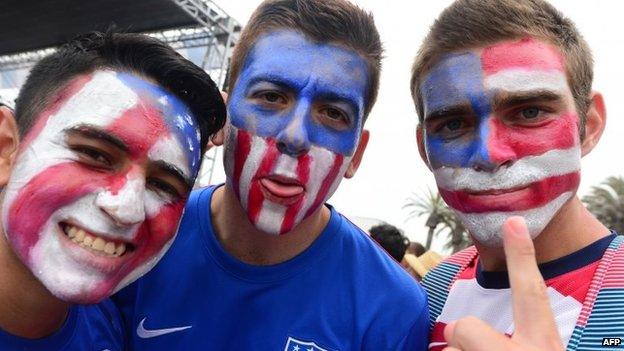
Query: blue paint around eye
point(458, 80)
point(175, 113)
point(310, 72)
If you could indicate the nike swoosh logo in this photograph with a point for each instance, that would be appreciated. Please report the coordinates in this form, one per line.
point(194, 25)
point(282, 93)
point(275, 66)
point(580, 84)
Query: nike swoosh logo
point(146, 334)
point(434, 344)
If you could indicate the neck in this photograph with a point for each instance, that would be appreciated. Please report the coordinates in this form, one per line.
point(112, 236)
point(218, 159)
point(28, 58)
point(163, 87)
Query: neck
point(572, 229)
point(241, 239)
point(27, 308)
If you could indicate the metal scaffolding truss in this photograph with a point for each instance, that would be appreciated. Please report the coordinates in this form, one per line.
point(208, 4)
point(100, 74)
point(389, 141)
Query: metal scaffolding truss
point(216, 31)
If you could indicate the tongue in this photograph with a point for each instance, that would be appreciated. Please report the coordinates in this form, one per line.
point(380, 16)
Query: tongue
point(281, 189)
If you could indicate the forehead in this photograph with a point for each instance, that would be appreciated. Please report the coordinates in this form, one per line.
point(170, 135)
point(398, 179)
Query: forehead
point(289, 55)
point(515, 65)
point(125, 105)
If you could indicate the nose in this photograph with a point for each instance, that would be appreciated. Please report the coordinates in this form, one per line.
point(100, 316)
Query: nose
point(490, 150)
point(126, 205)
point(293, 140)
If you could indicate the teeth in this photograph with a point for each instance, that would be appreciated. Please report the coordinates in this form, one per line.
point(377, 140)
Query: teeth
point(94, 243)
point(121, 248)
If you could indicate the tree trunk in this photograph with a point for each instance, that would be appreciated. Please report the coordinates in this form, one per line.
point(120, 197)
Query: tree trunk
point(429, 238)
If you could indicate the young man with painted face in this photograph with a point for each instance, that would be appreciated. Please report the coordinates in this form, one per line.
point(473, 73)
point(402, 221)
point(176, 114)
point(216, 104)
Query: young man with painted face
point(96, 165)
point(503, 92)
point(261, 262)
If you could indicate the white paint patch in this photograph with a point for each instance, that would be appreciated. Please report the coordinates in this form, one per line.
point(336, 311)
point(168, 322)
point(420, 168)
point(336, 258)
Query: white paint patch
point(168, 150)
point(270, 217)
point(252, 163)
point(520, 80)
point(524, 171)
point(128, 205)
point(486, 227)
point(100, 101)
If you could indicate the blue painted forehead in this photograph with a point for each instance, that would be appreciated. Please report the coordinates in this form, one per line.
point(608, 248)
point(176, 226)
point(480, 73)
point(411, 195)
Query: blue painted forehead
point(175, 113)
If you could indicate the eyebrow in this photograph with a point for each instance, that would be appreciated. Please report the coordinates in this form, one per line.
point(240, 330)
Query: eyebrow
point(96, 133)
point(449, 111)
point(174, 171)
point(520, 98)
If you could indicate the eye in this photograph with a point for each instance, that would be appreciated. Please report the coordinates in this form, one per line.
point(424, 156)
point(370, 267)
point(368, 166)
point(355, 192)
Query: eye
point(164, 188)
point(530, 113)
point(271, 98)
point(335, 114)
point(453, 125)
point(93, 156)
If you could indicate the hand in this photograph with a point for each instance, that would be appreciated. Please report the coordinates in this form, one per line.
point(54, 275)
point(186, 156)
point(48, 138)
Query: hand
point(535, 327)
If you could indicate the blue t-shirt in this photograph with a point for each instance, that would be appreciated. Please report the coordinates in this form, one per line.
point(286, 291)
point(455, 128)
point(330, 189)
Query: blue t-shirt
point(341, 293)
point(87, 327)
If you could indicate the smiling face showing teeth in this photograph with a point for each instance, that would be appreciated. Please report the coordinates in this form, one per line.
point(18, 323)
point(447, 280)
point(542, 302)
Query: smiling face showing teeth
point(99, 184)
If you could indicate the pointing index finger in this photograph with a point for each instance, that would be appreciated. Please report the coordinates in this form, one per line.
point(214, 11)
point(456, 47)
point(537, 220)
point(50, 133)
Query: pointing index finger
point(533, 318)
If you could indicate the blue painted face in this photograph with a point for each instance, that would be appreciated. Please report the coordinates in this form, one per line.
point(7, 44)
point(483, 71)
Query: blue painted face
point(301, 93)
point(457, 81)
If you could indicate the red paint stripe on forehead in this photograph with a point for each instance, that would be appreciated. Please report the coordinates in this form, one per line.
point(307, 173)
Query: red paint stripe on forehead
point(510, 143)
point(139, 127)
point(327, 183)
point(303, 174)
point(53, 107)
point(254, 203)
point(536, 195)
point(241, 151)
point(526, 53)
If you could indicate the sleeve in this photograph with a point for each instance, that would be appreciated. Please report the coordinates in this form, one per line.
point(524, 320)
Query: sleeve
point(402, 324)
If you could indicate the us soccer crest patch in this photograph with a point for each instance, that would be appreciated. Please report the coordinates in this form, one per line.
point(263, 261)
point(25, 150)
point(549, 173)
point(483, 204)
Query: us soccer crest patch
point(297, 345)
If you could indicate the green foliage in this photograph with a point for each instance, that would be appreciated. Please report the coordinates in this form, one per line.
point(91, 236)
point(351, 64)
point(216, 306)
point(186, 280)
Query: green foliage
point(440, 219)
point(606, 202)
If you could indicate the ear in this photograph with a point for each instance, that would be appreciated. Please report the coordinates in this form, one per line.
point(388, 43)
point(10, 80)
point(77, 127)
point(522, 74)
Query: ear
point(9, 140)
point(357, 156)
point(217, 138)
point(420, 140)
point(595, 123)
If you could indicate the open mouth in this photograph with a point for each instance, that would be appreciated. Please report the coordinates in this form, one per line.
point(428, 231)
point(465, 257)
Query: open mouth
point(496, 191)
point(283, 190)
point(97, 244)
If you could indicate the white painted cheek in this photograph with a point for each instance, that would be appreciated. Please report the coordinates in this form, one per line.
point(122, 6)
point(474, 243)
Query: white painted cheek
point(322, 161)
point(127, 207)
point(252, 163)
point(168, 149)
point(100, 102)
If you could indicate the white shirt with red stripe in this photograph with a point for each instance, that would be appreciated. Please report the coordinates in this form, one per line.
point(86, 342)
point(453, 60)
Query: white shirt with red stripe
point(487, 296)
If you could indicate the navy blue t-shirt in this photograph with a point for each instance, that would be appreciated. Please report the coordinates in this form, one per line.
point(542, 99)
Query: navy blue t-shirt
point(87, 327)
point(341, 293)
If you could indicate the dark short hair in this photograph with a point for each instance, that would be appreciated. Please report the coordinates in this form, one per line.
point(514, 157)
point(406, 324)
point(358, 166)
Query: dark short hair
point(324, 21)
point(129, 52)
point(468, 24)
point(391, 239)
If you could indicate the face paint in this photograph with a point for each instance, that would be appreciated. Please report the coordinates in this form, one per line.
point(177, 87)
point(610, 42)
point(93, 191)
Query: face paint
point(292, 132)
point(501, 135)
point(99, 185)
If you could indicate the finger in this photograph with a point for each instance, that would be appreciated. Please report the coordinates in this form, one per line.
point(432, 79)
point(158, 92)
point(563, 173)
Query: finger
point(534, 323)
point(450, 349)
point(472, 334)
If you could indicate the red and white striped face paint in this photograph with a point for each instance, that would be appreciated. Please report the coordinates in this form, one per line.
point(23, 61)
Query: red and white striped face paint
point(99, 184)
point(277, 190)
point(502, 135)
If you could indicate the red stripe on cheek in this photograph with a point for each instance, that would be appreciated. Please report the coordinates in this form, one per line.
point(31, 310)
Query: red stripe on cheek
point(254, 203)
point(303, 174)
point(139, 128)
point(509, 143)
point(535, 195)
point(327, 183)
point(241, 151)
point(526, 53)
point(44, 194)
point(53, 108)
